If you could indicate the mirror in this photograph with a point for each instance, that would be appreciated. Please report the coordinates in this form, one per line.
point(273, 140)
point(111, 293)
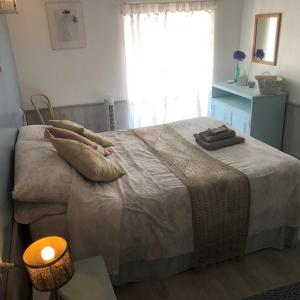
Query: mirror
point(266, 38)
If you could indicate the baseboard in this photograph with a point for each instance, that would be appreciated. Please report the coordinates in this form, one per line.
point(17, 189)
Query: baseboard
point(92, 116)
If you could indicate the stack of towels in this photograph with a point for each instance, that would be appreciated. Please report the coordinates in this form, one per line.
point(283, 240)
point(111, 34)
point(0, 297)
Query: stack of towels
point(216, 138)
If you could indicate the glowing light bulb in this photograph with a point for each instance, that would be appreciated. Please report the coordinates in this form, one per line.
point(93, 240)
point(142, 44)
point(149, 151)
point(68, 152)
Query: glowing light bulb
point(47, 253)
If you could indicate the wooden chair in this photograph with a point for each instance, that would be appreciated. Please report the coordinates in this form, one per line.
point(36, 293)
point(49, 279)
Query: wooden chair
point(40, 99)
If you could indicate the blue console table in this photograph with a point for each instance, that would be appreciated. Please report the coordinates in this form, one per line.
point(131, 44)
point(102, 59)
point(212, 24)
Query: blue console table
point(249, 112)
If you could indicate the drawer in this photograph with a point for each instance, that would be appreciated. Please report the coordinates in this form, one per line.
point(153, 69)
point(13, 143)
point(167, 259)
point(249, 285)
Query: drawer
point(219, 110)
point(230, 115)
point(241, 123)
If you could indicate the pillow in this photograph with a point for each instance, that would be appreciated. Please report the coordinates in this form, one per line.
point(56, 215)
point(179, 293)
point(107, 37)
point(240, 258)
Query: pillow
point(66, 124)
point(88, 162)
point(71, 135)
point(95, 137)
point(32, 132)
point(40, 174)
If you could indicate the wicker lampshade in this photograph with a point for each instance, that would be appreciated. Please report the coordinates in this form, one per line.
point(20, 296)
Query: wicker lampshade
point(48, 263)
point(8, 7)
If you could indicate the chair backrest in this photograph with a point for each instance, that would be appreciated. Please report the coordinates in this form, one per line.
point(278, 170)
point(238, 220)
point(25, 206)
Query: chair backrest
point(40, 99)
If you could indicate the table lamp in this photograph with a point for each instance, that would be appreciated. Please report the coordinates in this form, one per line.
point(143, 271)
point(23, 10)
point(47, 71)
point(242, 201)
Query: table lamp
point(49, 265)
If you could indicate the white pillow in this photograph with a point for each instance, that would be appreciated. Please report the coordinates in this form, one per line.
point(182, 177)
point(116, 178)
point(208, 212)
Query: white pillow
point(32, 133)
point(40, 174)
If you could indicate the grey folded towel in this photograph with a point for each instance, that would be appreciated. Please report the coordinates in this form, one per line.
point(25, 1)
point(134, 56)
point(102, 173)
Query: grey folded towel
point(207, 137)
point(218, 144)
point(216, 134)
point(217, 130)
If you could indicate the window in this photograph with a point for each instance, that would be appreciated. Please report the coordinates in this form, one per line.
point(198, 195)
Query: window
point(169, 59)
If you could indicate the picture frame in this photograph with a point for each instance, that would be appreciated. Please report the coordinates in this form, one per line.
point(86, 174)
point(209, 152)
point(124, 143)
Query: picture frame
point(66, 25)
point(263, 32)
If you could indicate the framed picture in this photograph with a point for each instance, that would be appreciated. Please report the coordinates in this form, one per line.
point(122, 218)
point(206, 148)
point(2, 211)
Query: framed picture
point(66, 25)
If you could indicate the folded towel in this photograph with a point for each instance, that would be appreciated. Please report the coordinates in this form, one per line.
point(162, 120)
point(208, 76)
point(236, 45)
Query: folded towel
point(217, 137)
point(218, 144)
point(217, 130)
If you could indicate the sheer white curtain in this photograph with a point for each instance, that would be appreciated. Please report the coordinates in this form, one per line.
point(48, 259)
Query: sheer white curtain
point(169, 59)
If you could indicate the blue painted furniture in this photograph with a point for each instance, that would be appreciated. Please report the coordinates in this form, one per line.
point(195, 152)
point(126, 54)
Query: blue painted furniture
point(244, 109)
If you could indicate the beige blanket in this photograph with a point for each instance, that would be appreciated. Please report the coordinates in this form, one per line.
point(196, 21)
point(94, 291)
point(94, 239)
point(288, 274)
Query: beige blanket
point(220, 195)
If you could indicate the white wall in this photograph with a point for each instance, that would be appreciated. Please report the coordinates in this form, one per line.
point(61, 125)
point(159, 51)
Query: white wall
point(227, 37)
point(288, 63)
point(69, 76)
point(86, 75)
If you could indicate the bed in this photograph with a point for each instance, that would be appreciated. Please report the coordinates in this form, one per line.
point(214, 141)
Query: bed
point(142, 223)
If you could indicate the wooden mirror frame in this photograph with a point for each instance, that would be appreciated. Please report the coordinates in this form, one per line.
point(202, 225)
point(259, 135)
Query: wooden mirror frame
point(260, 16)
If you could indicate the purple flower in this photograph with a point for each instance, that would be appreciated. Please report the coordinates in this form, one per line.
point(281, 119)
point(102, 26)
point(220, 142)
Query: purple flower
point(260, 54)
point(239, 55)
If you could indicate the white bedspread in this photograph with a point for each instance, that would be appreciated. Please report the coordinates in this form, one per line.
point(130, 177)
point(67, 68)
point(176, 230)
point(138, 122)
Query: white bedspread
point(274, 177)
point(146, 214)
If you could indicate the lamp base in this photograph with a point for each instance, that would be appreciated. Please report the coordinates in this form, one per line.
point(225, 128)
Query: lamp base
point(57, 295)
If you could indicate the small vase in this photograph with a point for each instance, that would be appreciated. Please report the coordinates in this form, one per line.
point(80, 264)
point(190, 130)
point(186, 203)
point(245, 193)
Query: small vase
point(237, 72)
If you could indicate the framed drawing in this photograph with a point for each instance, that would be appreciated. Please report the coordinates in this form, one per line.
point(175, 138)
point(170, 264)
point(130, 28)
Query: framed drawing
point(66, 25)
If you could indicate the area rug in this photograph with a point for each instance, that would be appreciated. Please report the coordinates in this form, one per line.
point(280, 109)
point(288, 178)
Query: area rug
point(290, 292)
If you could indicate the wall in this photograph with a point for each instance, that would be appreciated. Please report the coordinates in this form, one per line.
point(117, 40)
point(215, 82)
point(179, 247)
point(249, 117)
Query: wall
point(85, 75)
point(288, 64)
point(69, 76)
point(10, 120)
point(93, 116)
point(227, 37)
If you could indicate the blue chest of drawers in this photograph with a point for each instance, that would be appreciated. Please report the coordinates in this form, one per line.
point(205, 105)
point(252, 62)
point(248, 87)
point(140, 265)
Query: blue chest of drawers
point(244, 109)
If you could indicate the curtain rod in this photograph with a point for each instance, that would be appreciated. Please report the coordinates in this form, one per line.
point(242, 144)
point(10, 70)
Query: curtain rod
point(165, 2)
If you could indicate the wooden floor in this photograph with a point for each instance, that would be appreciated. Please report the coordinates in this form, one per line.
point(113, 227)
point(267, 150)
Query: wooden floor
point(258, 272)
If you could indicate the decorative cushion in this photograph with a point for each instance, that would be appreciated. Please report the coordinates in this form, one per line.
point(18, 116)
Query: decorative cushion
point(66, 124)
point(88, 162)
point(71, 135)
point(95, 137)
point(40, 174)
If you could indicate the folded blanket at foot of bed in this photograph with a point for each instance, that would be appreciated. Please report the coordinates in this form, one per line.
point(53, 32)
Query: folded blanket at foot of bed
point(220, 195)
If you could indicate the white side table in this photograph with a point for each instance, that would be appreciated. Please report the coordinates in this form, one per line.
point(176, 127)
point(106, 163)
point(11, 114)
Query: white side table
point(90, 281)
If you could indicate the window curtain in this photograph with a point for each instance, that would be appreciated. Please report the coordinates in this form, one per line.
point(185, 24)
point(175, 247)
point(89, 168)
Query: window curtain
point(169, 60)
